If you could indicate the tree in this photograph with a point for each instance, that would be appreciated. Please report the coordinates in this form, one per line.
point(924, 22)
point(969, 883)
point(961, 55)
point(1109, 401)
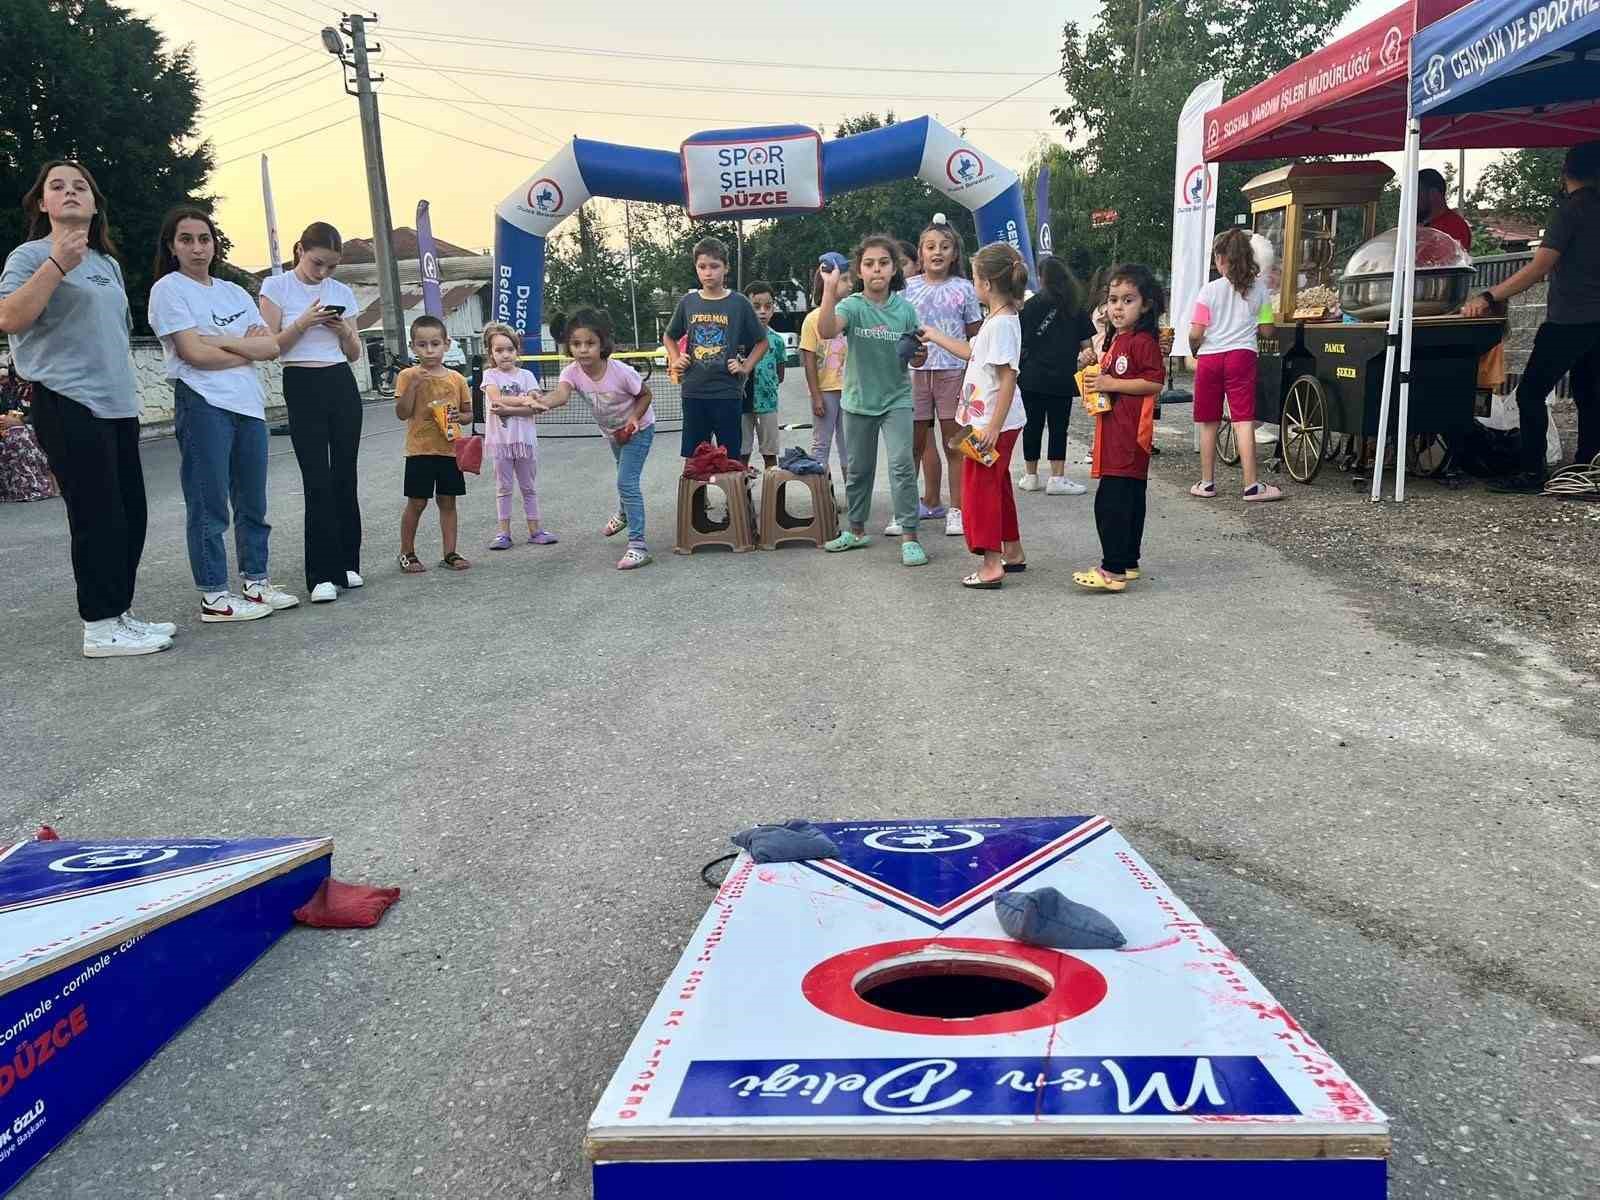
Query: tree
point(1126, 121)
point(86, 79)
point(1520, 183)
point(584, 270)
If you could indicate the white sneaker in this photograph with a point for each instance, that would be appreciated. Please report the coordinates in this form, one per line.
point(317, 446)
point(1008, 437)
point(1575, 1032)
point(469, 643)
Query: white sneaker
point(893, 529)
point(952, 523)
point(264, 591)
point(323, 593)
point(164, 629)
point(1060, 485)
point(229, 607)
point(111, 638)
point(352, 580)
point(1029, 483)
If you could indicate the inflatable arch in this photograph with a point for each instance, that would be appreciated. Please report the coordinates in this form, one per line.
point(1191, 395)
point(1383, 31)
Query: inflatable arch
point(768, 171)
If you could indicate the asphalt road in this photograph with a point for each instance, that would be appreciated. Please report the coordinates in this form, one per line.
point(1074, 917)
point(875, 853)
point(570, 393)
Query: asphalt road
point(1398, 836)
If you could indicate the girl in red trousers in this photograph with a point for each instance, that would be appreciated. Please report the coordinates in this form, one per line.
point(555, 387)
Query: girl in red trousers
point(990, 407)
point(1131, 373)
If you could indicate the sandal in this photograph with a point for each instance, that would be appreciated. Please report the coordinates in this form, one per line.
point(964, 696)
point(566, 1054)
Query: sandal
point(454, 561)
point(979, 584)
point(410, 564)
point(1205, 491)
point(1098, 581)
point(1260, 493)
point(1131, 574)
point(636, 557)
point(616, 525)
point(1012, 568)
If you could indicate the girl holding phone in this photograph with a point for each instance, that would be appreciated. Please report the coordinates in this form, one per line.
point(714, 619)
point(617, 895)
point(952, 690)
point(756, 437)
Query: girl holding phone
point(313, 316)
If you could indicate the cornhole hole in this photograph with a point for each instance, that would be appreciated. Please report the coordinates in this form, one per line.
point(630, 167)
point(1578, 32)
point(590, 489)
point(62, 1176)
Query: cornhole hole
point(108, 948)
point(864, 1023)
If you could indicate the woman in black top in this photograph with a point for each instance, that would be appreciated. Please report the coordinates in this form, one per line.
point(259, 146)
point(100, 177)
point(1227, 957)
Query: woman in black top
point(1569, 339)
point(1055, 329)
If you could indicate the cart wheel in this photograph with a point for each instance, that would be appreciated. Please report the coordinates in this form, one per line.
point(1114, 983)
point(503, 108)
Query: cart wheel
point(1428, 455)
point(1305, 428)
point(1227, 443)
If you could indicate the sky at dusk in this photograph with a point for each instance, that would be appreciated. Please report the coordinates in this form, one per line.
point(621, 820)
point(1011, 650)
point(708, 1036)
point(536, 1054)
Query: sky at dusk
point(462, 125)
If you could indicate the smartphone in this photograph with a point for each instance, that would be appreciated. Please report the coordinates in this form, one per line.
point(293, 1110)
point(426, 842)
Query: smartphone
point(341, 309)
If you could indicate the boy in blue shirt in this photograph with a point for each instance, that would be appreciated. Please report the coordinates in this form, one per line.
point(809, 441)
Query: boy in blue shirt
point(761, 393)
point(724, 346)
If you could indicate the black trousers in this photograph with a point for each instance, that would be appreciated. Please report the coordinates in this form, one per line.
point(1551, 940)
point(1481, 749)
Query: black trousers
point(1119, 517)
point(325, 427)
point(96, 461)
point(1045, 408)
point(1557, 350)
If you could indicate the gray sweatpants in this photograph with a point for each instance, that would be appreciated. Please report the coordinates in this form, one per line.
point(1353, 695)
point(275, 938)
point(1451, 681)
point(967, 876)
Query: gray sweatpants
point(861, 439)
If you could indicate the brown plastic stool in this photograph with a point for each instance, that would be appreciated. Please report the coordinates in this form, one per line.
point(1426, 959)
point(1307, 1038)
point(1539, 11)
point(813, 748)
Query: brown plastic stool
point(695, 528)
point(779, 525)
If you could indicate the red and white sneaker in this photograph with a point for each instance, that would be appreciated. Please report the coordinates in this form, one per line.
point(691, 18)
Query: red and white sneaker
point(264, 591)
point(229, 607)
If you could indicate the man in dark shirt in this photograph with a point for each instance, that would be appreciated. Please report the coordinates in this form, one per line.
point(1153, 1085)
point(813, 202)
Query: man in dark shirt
point(1434, 211)
point(1569, 339)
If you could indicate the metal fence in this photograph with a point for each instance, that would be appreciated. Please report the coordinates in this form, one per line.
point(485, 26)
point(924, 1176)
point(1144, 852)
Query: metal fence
point(576, 418)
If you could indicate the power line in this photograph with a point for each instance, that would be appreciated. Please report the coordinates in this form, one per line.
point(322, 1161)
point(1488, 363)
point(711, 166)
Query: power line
point(301, 13)
point(455, 137)
point(877, 97)
point(233, 20)
point(549, 137)
point(1048, 75)
point(211, 114)
point(257, 65)
point(298, 137)
point(546, 47)
point(275, 126)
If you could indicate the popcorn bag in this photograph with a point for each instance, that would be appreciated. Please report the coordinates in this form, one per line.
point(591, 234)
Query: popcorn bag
point(967, 442)
point(1093, 402)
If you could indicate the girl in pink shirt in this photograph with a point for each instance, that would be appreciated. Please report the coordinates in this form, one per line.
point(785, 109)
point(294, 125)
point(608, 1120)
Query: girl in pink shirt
point(620, 402)
point(511, 395)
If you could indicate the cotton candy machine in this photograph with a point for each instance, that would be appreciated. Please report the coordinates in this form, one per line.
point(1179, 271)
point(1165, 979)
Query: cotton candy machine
point(1443, 276)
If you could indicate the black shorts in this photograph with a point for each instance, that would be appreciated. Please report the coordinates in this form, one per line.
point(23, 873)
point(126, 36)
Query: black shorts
point(430, 474)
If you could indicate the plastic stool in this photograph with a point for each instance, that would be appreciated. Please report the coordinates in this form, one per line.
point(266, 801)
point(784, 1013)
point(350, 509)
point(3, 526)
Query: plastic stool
point(695, 528)
point(778, 525)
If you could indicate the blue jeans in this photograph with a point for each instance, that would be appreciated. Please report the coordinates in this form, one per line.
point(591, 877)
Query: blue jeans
point(224, 461)
point(630, 458)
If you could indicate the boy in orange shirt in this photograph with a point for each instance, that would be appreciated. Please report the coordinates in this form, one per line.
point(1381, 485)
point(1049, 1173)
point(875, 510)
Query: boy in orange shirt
point(430, 398)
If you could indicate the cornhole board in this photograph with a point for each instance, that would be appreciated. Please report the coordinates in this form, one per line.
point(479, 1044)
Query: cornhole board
point(108, 948)
point(805, 1044)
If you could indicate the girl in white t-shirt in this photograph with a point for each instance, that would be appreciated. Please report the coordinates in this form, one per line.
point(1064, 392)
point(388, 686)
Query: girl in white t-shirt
point(620, 402)
point(314, 318)
point(212, 336)
point(1222, 338)
point(990, 407)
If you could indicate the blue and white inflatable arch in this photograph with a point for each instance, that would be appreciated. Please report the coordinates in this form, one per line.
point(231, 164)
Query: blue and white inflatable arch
point(743, 173)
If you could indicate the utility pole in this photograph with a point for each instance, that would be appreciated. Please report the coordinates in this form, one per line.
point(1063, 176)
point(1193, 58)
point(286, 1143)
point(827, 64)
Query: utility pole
point(1138, 42)
point(355, 27)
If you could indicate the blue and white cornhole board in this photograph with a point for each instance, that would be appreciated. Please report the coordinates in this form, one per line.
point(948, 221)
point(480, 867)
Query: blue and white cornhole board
point(762, 1069)
point(109, 948)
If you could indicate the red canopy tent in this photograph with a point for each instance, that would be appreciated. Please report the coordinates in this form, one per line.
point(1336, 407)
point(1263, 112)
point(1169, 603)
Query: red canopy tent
point(1350, 98)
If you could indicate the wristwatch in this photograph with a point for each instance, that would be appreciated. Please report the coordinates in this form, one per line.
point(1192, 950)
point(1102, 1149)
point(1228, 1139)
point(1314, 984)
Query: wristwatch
point(1488, 295)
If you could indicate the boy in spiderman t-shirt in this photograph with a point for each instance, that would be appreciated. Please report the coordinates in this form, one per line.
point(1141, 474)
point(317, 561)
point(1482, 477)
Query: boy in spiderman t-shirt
point(1131, 373)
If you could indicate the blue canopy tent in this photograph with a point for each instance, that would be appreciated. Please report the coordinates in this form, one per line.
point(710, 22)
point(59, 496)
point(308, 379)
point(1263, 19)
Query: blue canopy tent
point(1534, 65)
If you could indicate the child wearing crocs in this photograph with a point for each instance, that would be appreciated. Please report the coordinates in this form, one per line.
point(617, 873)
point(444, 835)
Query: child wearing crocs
point(511, 395)
point(1222, 334)
point(620, 402)
point(877, 387)
point(1131, 373)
